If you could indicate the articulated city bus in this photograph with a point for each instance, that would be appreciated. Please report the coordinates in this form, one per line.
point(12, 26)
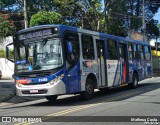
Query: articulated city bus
point(52, 60)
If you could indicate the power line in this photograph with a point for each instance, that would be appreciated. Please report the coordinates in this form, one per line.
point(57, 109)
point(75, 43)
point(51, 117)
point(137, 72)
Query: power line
point(126, 15)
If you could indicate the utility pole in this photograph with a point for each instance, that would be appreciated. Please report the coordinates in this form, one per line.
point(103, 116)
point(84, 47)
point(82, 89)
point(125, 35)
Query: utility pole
point(25, 15)
point(143, 21)
point(106, 16)
point(156, 46)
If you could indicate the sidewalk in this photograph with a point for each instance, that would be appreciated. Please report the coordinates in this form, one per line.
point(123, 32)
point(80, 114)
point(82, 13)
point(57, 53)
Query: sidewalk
point(8, 94)
point(7, 90)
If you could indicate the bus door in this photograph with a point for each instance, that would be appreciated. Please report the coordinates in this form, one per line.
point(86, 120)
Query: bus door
point(123, 63)
point(112, 63)
point(101, 61)
point(72, 62)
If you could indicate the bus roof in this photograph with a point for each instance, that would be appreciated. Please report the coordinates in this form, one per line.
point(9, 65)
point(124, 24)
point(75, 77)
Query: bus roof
point(70, 28)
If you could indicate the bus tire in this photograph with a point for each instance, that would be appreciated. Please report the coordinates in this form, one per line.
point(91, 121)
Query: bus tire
point(134, 83)
point(51, 98)
point(89, 90)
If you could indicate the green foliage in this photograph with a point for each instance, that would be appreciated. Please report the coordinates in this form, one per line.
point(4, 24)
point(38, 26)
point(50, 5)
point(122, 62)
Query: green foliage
point(92, 15)
point(11, 54)
point(159, 26)
point(115, 19)
point(6, 26)
point(2, 54)
point(122, 15)
point(154, 32)
point(45, 17)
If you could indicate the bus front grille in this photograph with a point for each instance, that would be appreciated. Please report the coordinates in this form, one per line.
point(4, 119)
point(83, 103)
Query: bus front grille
point(39, 92)
point(33, 75)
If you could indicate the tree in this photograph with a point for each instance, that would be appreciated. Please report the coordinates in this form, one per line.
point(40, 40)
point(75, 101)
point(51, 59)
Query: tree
point(116, 22)
point(13, 8)
point(124, 15)
point(93, 17)
point(86, 14)
point(45, 17)
point(7, 26)
point(150, 9)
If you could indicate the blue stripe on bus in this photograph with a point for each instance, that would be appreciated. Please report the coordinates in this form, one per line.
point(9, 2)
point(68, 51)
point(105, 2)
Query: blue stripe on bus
point(42, 79)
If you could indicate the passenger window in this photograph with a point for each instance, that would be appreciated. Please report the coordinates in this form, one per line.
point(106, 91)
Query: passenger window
point(130, 49)
point(147, 53)
point(140, 52)
point(135, 52)
point(87, 47)
point(73, 57)
point(112, 49)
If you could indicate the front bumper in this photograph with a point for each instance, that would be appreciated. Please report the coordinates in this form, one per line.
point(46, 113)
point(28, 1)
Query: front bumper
point(41, 90)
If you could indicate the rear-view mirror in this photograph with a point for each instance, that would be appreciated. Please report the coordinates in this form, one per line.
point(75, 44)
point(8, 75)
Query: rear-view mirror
point(10, 52)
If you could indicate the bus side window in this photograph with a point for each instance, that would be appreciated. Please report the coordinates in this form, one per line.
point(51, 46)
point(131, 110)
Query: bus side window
point(87, 47)
point(147, 53)
point(135, 52)
point(140, 52)
point(72, 58)
point(112, 49)
point(130, 49)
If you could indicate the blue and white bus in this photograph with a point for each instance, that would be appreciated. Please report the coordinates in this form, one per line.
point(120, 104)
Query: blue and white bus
point(52, 60)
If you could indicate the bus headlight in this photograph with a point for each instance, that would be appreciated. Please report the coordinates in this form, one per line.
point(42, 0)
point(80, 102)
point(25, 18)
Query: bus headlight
point(56, 79)
point(19, 85)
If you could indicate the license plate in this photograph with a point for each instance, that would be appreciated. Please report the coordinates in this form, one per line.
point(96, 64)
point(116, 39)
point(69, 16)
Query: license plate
point(33, 91)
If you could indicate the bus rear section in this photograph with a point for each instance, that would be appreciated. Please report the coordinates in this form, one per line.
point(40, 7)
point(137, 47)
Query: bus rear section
point(115, 62)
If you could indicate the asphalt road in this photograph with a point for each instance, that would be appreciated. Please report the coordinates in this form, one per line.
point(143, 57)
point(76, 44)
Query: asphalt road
point(143, 101)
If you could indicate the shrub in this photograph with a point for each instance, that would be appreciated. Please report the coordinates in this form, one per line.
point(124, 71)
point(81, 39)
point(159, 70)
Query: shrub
point(2, 54)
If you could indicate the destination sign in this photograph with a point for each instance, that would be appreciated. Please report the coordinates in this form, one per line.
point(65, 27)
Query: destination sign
point(35, 34)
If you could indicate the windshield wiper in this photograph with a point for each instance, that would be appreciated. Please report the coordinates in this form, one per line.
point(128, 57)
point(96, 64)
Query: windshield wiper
point(36, 67)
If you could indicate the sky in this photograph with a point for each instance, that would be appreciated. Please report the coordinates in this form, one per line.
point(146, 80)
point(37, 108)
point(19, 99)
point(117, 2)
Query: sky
point(157, 16)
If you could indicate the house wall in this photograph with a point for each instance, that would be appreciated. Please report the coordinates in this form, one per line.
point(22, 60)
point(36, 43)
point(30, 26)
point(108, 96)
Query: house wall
point(7, 68)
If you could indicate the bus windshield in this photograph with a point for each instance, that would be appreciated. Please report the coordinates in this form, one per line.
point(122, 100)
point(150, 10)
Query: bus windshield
point(38, 55)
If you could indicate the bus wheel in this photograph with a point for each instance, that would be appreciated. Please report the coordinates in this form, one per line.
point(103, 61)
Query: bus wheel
point(89, 90)
point(51, 98)
point(134, 83)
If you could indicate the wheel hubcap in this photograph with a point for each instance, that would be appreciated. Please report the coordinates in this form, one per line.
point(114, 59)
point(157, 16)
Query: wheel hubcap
point(89, 89)
point(135, 81)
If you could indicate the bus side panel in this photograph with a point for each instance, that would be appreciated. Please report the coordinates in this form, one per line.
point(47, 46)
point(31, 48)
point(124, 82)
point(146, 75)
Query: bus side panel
point(131, 69)
point(149, 65)
point(144, 69)
point(141, 69)
point(73, 79)
point(92, 68)
point(149, 72)
point(113, 72)
point(135, 67)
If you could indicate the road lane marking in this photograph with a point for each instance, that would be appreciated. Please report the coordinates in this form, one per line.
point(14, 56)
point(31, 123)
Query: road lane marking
point(67, 111)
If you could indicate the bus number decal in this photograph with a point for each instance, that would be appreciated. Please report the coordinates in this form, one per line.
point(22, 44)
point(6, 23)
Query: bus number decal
point(43, 80)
